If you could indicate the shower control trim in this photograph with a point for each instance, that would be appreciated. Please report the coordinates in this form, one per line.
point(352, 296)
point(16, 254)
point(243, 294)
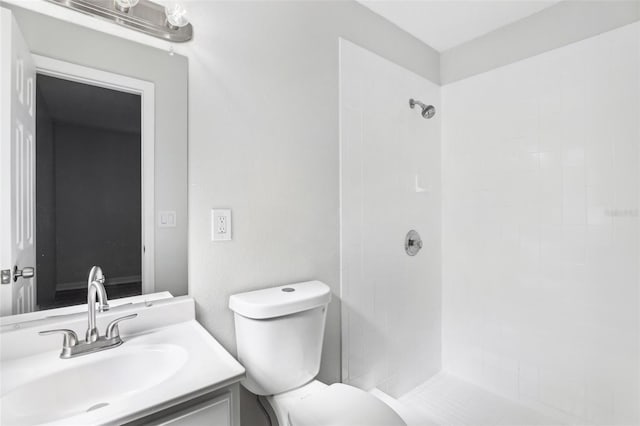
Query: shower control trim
point(412, 243)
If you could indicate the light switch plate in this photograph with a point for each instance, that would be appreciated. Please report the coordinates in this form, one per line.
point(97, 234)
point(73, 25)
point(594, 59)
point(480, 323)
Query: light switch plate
point(167, 219)
point(221, 225)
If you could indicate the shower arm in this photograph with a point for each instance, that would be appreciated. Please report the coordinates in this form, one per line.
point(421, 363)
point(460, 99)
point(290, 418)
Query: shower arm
point(413, 103)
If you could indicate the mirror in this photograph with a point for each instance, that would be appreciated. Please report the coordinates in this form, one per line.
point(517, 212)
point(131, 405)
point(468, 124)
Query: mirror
point(101, 172)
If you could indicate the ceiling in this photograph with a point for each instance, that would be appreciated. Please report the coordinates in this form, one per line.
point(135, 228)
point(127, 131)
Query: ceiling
point(82, 104)
point(443, 24)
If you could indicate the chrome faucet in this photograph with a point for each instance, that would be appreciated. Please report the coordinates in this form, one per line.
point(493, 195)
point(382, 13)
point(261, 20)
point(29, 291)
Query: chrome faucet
point(95, 287)
point(71, 347)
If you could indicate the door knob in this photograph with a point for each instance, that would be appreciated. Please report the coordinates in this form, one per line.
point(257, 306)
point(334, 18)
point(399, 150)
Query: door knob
point(27, 272)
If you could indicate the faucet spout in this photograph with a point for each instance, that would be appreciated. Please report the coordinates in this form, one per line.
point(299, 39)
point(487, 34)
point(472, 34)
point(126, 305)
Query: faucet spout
point(95, 290)
point(93, 342)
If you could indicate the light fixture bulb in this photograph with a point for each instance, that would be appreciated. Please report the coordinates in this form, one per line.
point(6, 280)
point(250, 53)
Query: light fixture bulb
point(176, 15)
point(125, 5)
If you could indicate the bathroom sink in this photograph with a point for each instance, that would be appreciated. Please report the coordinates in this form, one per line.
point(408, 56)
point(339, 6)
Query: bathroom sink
point(167, 359)
point(91, 383)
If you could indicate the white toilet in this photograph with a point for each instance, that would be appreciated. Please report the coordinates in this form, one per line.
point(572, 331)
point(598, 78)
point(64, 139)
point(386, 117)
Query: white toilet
point(279, 333)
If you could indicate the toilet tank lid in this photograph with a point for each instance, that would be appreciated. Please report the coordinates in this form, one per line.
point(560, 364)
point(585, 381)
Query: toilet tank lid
point(282, 300)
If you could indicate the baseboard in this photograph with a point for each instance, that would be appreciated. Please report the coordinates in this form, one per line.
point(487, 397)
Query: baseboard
point(76, 285)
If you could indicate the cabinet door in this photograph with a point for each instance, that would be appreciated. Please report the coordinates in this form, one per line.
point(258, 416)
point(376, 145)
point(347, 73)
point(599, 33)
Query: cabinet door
point(215, 412)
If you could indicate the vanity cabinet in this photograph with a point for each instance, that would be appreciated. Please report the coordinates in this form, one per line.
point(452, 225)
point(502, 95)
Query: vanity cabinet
point(219, 408)
point(213, 412)
point(168, 371)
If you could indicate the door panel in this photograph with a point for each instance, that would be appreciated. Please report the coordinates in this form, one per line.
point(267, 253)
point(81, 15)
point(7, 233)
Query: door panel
point(17, 168)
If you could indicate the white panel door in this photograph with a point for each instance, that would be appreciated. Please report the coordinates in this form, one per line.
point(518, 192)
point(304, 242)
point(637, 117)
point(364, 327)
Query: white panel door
point(17, 170)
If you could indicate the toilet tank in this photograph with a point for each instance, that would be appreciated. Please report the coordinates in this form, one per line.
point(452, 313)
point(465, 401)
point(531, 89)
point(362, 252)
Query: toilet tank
point(279, 334)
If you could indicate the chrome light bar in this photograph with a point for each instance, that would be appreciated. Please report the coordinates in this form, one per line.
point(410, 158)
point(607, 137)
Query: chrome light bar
point(144, 16)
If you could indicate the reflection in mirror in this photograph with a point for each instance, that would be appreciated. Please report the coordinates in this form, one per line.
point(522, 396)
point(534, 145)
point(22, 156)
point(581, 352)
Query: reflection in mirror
point(99, 175)
point(88, 190)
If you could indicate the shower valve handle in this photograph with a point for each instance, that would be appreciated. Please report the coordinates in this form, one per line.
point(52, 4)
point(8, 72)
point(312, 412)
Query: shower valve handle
point(417, 243)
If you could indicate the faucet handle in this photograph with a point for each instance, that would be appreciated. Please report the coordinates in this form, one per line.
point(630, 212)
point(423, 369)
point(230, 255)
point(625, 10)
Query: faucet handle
point(70, 337)
point(112, 329)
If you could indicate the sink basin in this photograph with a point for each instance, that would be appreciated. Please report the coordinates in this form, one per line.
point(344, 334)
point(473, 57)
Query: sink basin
point(90, 383)
point(167, 359)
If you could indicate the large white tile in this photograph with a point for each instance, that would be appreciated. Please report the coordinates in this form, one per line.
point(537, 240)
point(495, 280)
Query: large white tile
point(555, 169)
point(392, 301)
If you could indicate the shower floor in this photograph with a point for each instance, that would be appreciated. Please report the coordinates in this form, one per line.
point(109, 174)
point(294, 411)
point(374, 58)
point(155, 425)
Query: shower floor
point(447, 400)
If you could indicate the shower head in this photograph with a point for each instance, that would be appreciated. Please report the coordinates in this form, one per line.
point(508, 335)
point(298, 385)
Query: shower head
point(428, 111)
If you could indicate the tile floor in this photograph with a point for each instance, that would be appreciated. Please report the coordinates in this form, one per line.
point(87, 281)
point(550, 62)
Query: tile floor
point(447, 400)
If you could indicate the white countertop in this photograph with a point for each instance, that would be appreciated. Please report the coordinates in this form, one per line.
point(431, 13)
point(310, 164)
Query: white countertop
point(198, 365)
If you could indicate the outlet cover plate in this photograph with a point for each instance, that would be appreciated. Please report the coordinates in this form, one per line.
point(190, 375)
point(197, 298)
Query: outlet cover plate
point(221, 225)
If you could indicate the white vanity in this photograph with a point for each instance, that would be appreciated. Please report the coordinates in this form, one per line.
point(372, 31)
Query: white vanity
point(169, 370)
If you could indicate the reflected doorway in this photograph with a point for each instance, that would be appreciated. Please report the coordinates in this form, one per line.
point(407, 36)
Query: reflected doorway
point(88, 190)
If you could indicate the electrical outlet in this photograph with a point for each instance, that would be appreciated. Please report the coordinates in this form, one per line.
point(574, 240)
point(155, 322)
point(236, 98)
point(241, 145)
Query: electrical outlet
point(221, 225)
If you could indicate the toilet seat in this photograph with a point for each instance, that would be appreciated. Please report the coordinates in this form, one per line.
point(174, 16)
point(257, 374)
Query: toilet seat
point(343, 405)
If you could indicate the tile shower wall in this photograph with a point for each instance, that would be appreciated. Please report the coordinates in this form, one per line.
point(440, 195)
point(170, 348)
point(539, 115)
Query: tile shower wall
point(390, 301)
point(540, 229)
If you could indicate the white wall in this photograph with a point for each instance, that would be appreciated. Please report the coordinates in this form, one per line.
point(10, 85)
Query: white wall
point(563, 23)
point(45, 208)
point(391, 301)
point(103, 165)
point(540, 228)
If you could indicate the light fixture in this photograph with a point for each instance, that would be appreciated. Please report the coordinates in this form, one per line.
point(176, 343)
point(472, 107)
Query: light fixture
point(145, 16)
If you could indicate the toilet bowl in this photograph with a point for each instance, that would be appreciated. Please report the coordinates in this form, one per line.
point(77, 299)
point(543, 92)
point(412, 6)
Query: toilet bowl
point(279, 334)
point(318, 404)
